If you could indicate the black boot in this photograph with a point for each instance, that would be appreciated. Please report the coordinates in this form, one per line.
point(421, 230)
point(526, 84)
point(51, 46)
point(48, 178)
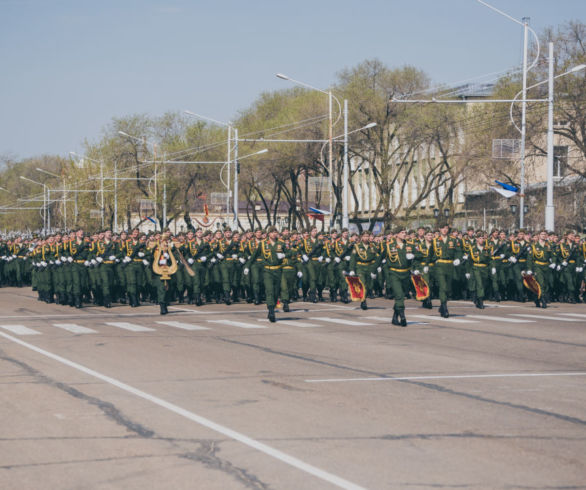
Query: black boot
point(363, 305)
point(543, 302)
point(333, 295)
point(480, 304)
point(319, 296)
point(345, 298)
point(403, 320)
point(395, 320)
point(444, 310)
point(271, 315)
point(286, 306)
point(107, 302)
point(256, 299)
point(227, 299)
point(163, 308)
point(312, 297)
point(198, 301)
point(77, 301)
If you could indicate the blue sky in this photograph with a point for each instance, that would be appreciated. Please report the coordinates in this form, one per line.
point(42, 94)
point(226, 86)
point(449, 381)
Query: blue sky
point(69, 66)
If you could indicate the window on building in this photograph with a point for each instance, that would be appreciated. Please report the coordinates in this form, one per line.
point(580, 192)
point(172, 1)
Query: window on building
point(560, 161)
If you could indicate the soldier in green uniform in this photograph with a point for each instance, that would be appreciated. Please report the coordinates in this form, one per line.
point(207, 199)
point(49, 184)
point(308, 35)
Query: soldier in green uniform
point(77, 257)
point(446, 255)
point(480, 260)
point(362, 261)
point(134, 253)
point(311, 252)
point(539, 261)
point(398, 255)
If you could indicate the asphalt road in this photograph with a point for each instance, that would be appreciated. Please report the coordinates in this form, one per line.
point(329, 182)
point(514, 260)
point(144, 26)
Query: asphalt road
point(328, 397)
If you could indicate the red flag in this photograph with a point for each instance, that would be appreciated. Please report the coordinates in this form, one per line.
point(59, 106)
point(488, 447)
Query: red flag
point(356, 288)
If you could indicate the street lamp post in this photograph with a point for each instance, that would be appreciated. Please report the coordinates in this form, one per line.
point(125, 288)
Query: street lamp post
point(64, 194)
point(46, 216)
point(101, 162)
point(331, 123)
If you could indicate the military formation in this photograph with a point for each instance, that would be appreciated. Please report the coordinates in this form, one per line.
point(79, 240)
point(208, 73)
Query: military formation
point(272, 267)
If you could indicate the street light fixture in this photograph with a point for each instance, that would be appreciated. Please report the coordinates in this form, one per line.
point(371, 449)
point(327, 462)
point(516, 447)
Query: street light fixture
point(436, 212)
point(64, 195)
point(513, 209)
point(331, 125)
point(46, 215)
point(447, 213)
point(101, 162)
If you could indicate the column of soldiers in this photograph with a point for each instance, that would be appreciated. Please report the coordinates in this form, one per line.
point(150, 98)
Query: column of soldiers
point(268, 266)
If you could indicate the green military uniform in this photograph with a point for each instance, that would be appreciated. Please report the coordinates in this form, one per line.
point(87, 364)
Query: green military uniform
point(446, 255)
point(362, 263)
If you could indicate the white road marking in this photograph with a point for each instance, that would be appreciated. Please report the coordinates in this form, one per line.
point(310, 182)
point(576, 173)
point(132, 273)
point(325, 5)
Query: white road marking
point(490, 305)
point(236, 324)
point(580, 315)
point(184, 326)
point(464, 376)
point(441, 319)
point(500, 319)
point(543, 317)
point(341, 321)
point(294, 323)
point(130, 326)
point(20, 330)
point(73, 328)
point(268, 450)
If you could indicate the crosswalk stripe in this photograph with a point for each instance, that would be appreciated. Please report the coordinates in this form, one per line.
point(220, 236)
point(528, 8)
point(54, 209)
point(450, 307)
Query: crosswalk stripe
point(20, 330)
point(73, 328)
point(237, 324)
point(500, 319)
point(184, 326)
point(340, 321)
point(543, 317)
point(130, 326)
point(580, 315)
point(441, 319)
point(294, 323)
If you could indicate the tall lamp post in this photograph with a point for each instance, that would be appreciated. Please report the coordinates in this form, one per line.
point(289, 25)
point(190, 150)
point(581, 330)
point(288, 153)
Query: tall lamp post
point(64, 194)
point(82, 158)
point(46, 216)
point(330, 132)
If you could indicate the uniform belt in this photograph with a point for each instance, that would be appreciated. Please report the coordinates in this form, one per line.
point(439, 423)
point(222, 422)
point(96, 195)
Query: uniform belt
point(398, 270)
point(541, 263)
point(259, 260)
point(288, 267)
point(571, 261)
point(479, 265)
point(230, 259)
point(272, 267)
point(137, 260)
point(444, 261)
point(522, 260)
point(365, 263)
point(496, 258)
point(108, 262)
point(80, 261)
point(314, 258)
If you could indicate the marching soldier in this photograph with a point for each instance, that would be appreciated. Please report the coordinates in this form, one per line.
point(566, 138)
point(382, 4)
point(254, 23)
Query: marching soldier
point(446, 255)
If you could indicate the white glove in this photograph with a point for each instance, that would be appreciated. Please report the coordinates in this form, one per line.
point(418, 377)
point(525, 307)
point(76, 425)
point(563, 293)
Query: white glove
point(140, 254)
point(44, 264)
point(320, 258)
point(245, 271)
point(25, 257)
point(558, 268)
point(112, 257)
point(51, 262)
point(379, 269)
point(241, 260)
point(126, 259)
point(117, 261)
point(409, 256)
point(280, 255)
point(425, 269)
point(203, 258)
point(328, 260)
point(552, 266)
point(63, 259)
point(347, 258)
point(145, 262)
point(529, 273)
point(513, 260)
point(465, 257)
point(166, 255)
point(220, 256)
point(189, 261)
point(234, 256)
point(57, 262)
point(564, 263)
point(351, 273)
point(162, 261)
point(337, 260)
point(579, 269)
point(87, 263)
point(213, 260)
point(305, 258)
point(493, 271)
point(300, 274)
point(502, 256)
point(457, 262)
point(416, 272)
point(100, 259)
point(94, 262)
point(467, 275)
point(373, 275)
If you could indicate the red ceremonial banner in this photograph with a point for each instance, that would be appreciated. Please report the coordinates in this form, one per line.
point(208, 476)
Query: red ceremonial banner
point(421, 287)
point(356, 288)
